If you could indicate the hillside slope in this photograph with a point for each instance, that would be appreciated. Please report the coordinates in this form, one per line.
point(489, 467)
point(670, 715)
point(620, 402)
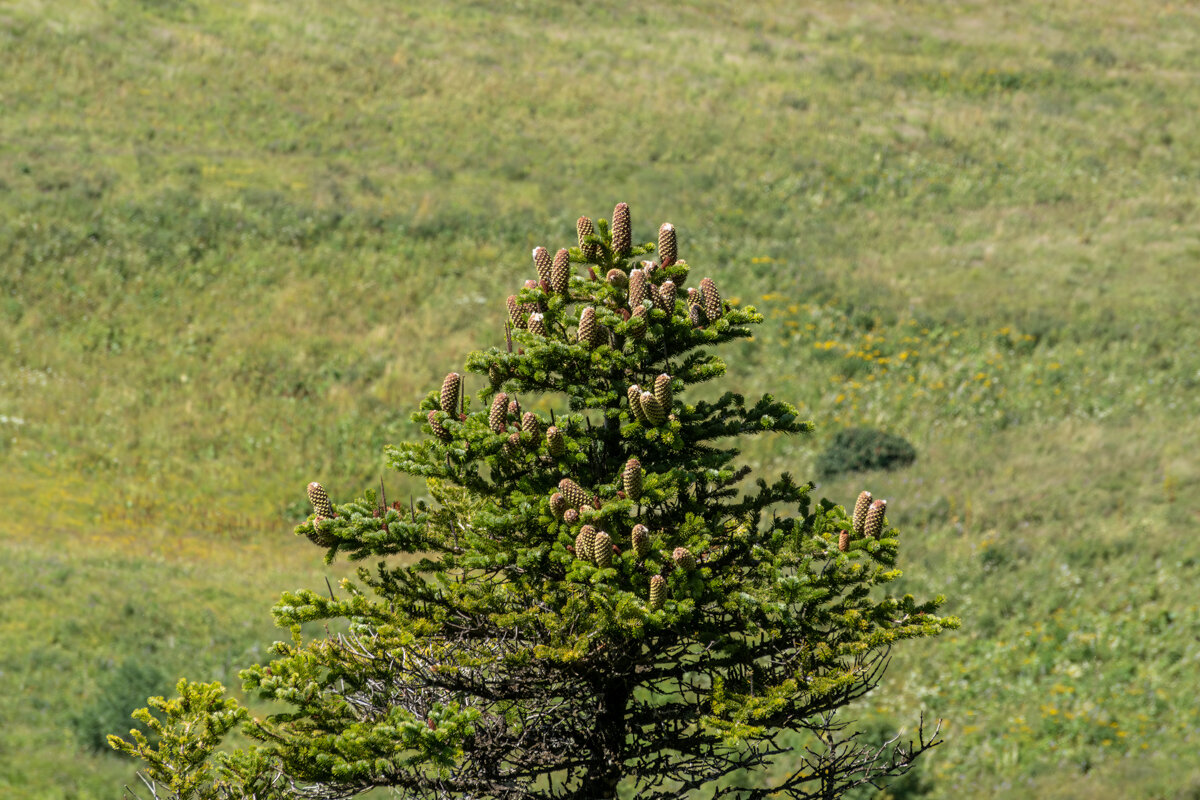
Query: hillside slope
point(239, 241)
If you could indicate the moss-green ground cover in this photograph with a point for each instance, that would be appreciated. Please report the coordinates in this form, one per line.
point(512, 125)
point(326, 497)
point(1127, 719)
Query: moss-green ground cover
point(239, 240)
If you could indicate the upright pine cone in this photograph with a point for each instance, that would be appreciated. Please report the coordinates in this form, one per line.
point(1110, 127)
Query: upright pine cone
point(637, 329)
point(558, 505)
point(451, 387)
point(512, 448)
point(653, 410)
point(861, 506)
point(320, 500)
point(658, 592)
point(667, 252)
point(641, 541)
point(662, 391)
point(637, 288)
point(622, 230)
point(574, 493)
point(873, 526)
point(496, 375)
point(635, 403)
point(560, 272)
point(696, 316)
point(530, 424)
point(514, 410)
point(844, 541)
point(556, 443)
point(584, 543)
point(543, 263)
point(602, 550)
point(439, 430)
point(584, 228)
point(588, 327)
point(711, 298)
point(570, 516)
point(632, 479)
point(683, 559)
point(617, 277)
point(516, 311)
point(498, 415)
point(656, 297)
point(537, 325)
point(666, 293)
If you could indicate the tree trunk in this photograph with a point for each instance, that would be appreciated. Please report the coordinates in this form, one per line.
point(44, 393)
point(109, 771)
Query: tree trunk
point(607, 767)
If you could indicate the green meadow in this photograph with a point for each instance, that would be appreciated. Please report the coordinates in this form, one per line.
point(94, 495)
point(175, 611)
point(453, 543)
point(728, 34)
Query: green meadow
point(240, 241)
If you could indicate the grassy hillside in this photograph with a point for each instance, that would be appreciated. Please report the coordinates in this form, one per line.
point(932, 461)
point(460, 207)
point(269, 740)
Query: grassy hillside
point(238, 241)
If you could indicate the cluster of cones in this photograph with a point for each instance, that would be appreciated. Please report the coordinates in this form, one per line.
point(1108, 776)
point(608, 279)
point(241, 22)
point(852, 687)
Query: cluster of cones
point(637, 291)
point(649, 285)
point(651, 407)
point(596, 546)
point(642, 288)
point(868, 520)
point(505, 414)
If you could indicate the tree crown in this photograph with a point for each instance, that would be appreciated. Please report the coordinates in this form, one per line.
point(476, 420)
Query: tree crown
point(592, 598)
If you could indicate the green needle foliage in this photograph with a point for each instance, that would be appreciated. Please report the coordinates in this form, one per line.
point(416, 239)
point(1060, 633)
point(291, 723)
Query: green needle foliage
point(594, 604)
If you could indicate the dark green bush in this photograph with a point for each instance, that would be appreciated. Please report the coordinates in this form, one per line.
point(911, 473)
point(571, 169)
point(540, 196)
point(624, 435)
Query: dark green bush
point(857, 449)
point(119, 692)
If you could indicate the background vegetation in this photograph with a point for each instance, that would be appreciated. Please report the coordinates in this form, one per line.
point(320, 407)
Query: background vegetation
point(238, 241)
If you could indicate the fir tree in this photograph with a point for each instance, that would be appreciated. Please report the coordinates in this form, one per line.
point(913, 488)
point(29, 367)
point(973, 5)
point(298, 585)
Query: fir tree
point(595, 600)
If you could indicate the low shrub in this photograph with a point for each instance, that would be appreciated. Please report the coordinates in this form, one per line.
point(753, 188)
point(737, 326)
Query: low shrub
point(123, 689)
point(858, 449)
